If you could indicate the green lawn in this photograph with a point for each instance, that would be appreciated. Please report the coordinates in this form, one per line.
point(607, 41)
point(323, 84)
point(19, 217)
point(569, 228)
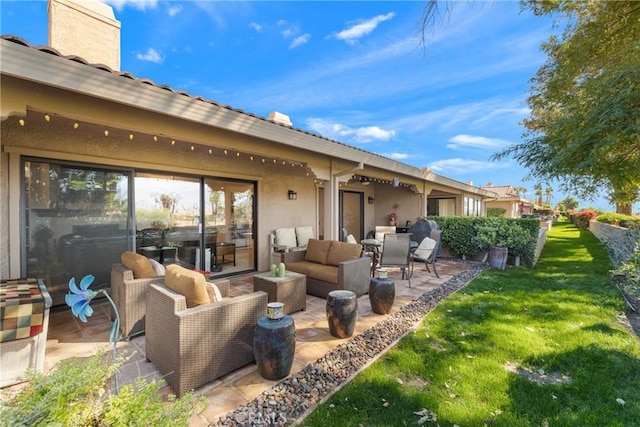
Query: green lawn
point(519, 347)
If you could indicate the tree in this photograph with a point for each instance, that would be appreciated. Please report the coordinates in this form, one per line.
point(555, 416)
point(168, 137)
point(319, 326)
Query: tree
point(549, 193)
point(568, 204)
point(584, 128)
point(538, 191)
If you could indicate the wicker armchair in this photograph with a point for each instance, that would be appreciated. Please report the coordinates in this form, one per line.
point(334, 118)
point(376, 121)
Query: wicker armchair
point(194, 346)
point(129, 296)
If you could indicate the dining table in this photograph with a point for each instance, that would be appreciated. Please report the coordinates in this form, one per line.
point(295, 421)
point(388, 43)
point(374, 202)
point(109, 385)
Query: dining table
point(374, 248)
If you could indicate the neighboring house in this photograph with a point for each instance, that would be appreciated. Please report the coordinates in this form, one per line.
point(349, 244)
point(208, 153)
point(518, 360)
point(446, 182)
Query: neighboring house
point(507, 198)
point(96, 161)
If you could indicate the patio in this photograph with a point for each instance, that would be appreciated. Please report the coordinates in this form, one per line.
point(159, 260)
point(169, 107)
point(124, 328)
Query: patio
point(69, 337)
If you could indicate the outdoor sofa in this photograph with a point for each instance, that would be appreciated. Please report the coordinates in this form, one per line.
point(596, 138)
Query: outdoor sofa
point(331, 265)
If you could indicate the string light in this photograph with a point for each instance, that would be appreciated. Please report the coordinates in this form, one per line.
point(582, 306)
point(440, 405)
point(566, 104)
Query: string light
point(193, 148)
point(21, 121)
point(130, 137)
point(76, 125)
point(47, 117)
point(173, 142)
point(106, 133)
point(225, 152)
point(238, 154)
point(210, 151)
point(155, 138)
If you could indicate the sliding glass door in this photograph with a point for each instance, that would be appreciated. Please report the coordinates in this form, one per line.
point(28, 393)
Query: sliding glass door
point(199, 223)
point(76, 222)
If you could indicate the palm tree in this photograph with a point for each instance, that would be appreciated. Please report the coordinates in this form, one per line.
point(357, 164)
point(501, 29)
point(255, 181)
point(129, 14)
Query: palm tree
point(538, 191)
point(549, 192)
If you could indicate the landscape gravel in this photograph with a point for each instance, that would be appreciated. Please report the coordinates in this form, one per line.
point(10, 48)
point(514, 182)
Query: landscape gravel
point(292, 398)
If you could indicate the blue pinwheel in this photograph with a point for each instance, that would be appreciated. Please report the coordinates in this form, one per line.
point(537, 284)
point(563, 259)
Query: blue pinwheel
point(79, 300)
point(81, 297)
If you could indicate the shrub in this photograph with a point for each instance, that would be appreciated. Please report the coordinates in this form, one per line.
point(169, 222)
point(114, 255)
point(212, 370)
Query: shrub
point(460, 234)
point(581, 219)
point(627, 221)
point(75, 393)
point(496, 212)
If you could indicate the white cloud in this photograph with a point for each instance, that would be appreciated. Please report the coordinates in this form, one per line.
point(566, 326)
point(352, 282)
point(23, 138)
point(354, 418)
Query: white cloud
point(341, 132)
point(300, 40)
point(174, 10)
point(152, 55)
point(363, 28)
point(462, 166)
point(398, 156)
point(257, 27)
point(137, 4)
point(464, 140)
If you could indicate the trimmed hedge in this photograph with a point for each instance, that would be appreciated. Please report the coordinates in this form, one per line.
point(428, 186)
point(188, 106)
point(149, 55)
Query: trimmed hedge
point(627, 221)
point(459, 233)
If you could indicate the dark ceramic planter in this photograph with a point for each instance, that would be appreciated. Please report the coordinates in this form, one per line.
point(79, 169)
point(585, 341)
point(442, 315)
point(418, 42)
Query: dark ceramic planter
point(342, 313)
point(274, 345)
point(382, 294)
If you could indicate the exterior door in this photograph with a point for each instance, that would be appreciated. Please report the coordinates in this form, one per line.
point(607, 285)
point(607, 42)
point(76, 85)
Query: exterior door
point(352, 213)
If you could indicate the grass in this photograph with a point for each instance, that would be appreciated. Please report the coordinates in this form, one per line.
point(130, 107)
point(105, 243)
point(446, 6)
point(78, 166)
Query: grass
point(519, 347)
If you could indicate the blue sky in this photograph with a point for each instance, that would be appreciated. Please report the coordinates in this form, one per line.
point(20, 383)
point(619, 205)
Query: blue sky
point(355, 71)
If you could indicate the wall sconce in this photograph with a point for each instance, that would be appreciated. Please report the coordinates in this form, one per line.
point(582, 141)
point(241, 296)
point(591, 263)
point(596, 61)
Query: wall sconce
point(370, 200)
point(293, 195)
point(396, 181)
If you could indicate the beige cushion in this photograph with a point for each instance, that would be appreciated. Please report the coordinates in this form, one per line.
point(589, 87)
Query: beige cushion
point(343, 251)
point(286, 237)
point(425, 249)
point(189, 283)
point(303, 234)
point(381, 230)
point(213, 292)
point(351, 239)
point(137, 263)
point(317, 251)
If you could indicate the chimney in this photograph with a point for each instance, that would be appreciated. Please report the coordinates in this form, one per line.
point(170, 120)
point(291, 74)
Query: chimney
point(280, 118)
point(85, 28)
point(489, 184)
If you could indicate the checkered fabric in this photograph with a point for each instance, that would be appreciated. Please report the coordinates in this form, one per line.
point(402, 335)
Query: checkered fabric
point(22, 307)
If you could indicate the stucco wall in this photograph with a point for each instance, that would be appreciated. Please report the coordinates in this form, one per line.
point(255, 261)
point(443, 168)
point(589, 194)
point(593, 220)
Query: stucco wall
point(54, 140)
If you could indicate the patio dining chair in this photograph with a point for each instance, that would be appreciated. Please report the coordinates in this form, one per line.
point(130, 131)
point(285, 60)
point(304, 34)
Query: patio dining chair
point(427, 252)
point(396, 252)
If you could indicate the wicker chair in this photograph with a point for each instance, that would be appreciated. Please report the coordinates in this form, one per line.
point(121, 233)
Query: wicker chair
point(194, 346)
point(129, 295)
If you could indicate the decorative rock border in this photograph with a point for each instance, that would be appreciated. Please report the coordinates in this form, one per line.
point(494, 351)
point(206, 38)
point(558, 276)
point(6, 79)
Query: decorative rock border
point(293, 398)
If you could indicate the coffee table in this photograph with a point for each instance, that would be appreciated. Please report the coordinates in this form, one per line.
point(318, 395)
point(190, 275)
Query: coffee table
point(290, 289)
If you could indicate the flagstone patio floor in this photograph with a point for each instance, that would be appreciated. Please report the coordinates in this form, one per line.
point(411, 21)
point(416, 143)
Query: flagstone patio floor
point(69, 337)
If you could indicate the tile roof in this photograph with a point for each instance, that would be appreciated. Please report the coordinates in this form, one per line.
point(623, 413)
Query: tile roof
point(503, 191)
point(52, 51)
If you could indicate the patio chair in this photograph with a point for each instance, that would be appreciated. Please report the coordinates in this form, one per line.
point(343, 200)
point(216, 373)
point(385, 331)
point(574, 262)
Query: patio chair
point(194, 346)
point(395, 253)
point(426, 253)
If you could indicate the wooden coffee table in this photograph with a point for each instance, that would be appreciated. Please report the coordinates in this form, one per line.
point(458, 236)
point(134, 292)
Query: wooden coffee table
point(290, 289)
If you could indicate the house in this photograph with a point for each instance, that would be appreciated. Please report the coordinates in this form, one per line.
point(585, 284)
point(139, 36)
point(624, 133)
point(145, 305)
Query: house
point(96, 161)
point(507, 198)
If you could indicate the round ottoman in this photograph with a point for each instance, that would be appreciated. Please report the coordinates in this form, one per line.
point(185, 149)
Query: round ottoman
point(274, 345)
point(342, 313)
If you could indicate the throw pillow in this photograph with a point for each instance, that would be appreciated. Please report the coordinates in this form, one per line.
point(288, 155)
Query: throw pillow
point(137, 263)
point(303, 234)
point(286, 237)
point(157, 267)
point(317, 251)
point(351, 239)
point(342, 251)
point(189, 283)
point(214, 292)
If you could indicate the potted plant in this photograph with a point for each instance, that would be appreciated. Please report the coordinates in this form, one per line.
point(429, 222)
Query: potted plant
point(498, 238)
point(393, 218)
